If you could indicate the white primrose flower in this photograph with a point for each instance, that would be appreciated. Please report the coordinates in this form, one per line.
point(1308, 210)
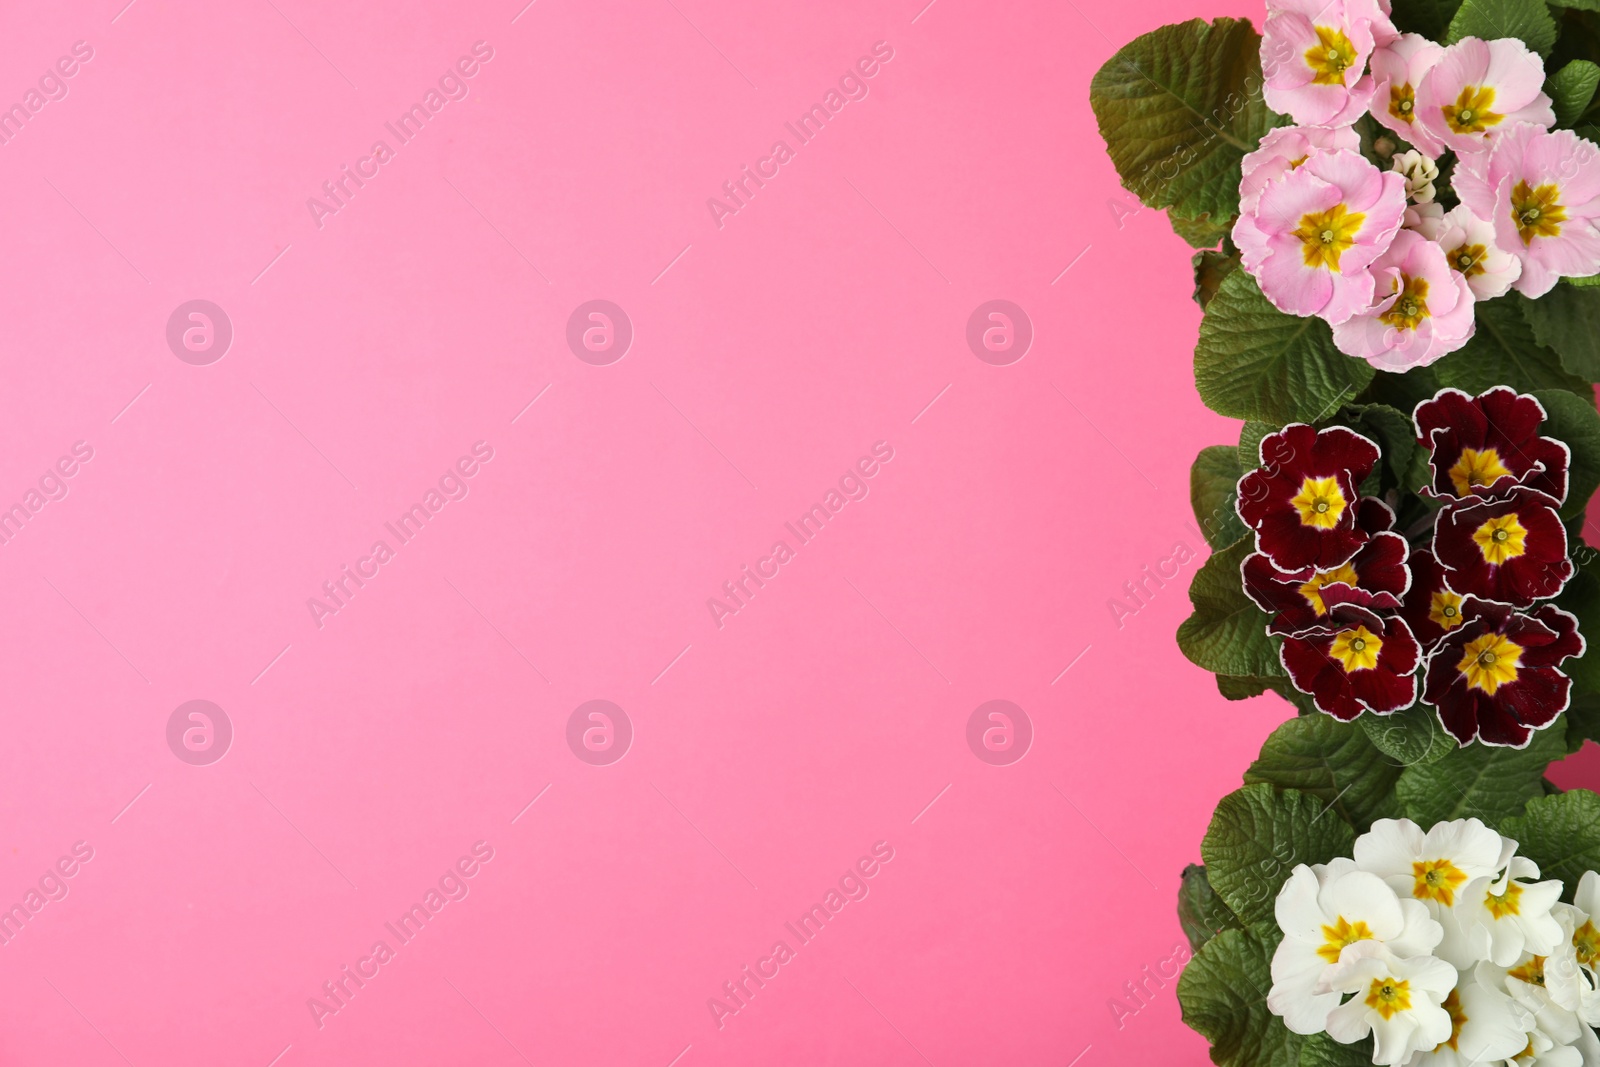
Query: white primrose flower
point(1420, 173)
point(1431, 867)
point(1499, 920)
point(1586, 938)
point(1399, 1001)
point(1529, 984)
point(1322, 909)
point(1487, 1024)
point(1544, 1051)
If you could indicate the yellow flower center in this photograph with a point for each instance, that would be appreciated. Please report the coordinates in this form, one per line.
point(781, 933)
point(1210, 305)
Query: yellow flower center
point(1470, 113)
point(1458, 1017)
point(1340, 934)
point(1403, 102)
point(1356, 650)
point(1531, 972)
point(1331, 56)
point(1537, 211)
point(1312, 590)
point(1325, 235)
point(1467, 259)
point(1527, 1053)
point(1437, 880)
point(1320, 502)
point(1501, 539)
point(1389, 996)
point(1506, 903)
point(1444, 610)
point(1489, 662)
point(1476, 468)
point(1586, 939)
point(1411, 308)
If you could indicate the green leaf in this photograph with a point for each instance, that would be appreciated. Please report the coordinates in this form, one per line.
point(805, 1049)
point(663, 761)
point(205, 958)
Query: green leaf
point(1403, 392)
point(1582, 597)
point(1236, 687)
point(1209, 270)
point(1201, 913)
point(1431, 18)
point(1333, 761)
point(1575, 421)
point(1527, 20)
point(1201, 231)
point(1250, 435)
point(1571, 88)
point(1320, 1050)
point(1213, 482)
point(1561, 834)
point(1480, 780)
point(1587, 281)
point(1223, 993)
point(1504, 351)
point(1254, 362)
point(1257, 836)
point(1409, 737)
point(1404, 464)
point(1179, 107)
point(1566, 320)
point(1227, 634)
point(1583, 719)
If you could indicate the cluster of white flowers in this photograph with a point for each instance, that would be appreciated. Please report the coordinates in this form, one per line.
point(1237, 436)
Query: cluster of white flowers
point(1445, 948)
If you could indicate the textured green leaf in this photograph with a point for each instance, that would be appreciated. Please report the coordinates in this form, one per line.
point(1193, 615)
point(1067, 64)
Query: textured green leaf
point(1227, 634)
point(1236, 687)
point(1587, 281)
point(1254, 362)
point(1320, 1050)
point(1582, 598)
point(1404, 465)
point(1583, 718)
point(1485, 781)
point(1504, 351)
point(1571, 88)
point(1257, 836)
point(1213, 481)
point(1527, 20)
point(1575, 421)
point(1409, 737)
point(1250, 435)
point(1561, 834)
point(1566, 320)
point(1179, 107)
point(1223, 993)
point(1333, 761)
point(1201, 231)
point(1201, 913)
point(1431, 18)
point(1209, 270)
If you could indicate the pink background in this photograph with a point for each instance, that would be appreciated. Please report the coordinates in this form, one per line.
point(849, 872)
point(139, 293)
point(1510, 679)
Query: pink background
point(769, 354)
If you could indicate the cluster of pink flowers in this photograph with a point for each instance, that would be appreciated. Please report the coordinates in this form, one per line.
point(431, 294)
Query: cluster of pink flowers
point(1325, 232)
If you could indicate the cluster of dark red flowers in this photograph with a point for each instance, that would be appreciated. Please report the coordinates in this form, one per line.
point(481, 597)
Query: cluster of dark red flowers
point(1365, 616)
